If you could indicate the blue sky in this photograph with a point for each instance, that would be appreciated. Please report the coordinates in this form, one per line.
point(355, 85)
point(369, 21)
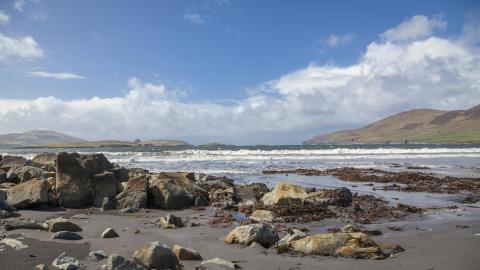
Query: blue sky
point(212, 54)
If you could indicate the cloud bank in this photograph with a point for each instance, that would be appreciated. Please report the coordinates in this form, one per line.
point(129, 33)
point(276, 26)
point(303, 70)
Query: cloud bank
point(22, 48)
point(407, 67)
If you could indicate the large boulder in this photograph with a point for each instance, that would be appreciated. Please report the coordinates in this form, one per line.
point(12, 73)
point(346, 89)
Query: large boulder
point(156, 255)
point(121, 174)
point(184, 180)
point(285, 194)
point(341, 197)
point(3, 176)
point(263, 234)
point(105, 185)
point(134, 195)
point(169, 196)
point(24, 173)
point(117, 262)
point(28, 194)
point(95, 163)
point(73, 185)
point(253, 192)
point(45, 159)
point(354, 245)
point(8, 162)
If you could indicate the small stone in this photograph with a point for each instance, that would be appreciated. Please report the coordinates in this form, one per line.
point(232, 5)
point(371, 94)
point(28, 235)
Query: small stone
point(221, 262)
point(13, 243)
point(109, 233)
point(186, 254)
point(66, 235)
point(80, 216)
point(65, 262)
point(171, 222)
point(98, 255)
point(41, 267)
point(16, 224)
point(262, 216)
point(261, 233)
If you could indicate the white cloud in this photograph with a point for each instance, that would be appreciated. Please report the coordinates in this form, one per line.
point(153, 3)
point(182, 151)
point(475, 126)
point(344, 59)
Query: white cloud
point(417, 27)
point(58, 76)
point(4, 18)
point(429, 72)
point(19, 4)
point(194, 18)
point(24, 48)
point(334, 40)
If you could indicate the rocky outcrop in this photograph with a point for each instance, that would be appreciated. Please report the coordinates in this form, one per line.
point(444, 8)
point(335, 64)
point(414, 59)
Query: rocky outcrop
point(73, 185)
point(134, 195)
point(186, 254)
point(263, 234)
point(156, 255)
point(285, 194)
point(28, 194)
point(354, 245)
point(169, 196)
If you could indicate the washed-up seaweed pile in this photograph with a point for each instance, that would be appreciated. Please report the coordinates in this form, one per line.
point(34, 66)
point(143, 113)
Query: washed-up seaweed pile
point(400, 181)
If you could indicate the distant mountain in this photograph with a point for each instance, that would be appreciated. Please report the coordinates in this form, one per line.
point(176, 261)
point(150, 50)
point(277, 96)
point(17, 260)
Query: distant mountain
point(116, 143)
point(35, 138)
point(415, 126)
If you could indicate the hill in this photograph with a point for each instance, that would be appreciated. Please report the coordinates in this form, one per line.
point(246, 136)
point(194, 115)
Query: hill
point(116, 143)
point(415, 126)
point(35, 138)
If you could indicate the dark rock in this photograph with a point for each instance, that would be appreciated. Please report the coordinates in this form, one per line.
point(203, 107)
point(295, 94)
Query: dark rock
point(73, 186)
point(109, 233)
point(45, 159)
point(98, 255)
point(169, 196)
point(121, 174)
point(17, 224)
point(66, 235)
point(62, 224)
point(171, 222)
point(134, 194)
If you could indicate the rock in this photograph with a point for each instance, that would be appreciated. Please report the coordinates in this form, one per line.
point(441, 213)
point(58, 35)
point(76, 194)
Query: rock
point(13, 243)
point(41, 267)
point(354, 245)
point(4, 205)
point(341, 197)
point(73, 185)
point(224, 197)
point(24, 174)
point(109, 233)
point(80, 216)
point(5, 214)
point(171, 222)
point(28, 194)
point(17, 224)
point(129, 210)
point(134, 194)
point(117, 262)
point(98, 255)
point(105, 185)
point(186, 254)
point(95, 163)
point(184, 180)
point(157, 256)
point(65, 235)
point(221, 262)
point(262, 216)
point(389, 249)
point(264, 234)
point(8, 162)
point(120, 173)
point(62, 224)
point(254, 191)
point(285, 194)
point(45, 159)
point(169, 196)
point(3, 176)
point(65, 262)
point(284, 243)
point(201, 201)
point(105, 203)
point(353, 228)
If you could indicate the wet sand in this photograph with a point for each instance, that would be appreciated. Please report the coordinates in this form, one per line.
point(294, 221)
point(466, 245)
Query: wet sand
point(432, 242)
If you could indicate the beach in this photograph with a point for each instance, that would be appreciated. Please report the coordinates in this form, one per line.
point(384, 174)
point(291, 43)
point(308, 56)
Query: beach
point(397, 193)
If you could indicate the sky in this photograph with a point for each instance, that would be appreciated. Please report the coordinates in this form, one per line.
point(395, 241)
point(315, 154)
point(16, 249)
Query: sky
point(242, 72)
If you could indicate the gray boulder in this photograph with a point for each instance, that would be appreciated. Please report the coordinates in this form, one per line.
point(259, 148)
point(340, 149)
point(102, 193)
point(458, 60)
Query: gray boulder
point(74, 186)
point(156, 255)
point(28, 194)
point(169, 196)
point(117, 262)
point(134, 195)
